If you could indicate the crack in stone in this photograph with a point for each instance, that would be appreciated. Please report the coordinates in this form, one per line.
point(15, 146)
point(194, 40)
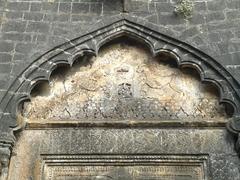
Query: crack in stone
point(125, 82)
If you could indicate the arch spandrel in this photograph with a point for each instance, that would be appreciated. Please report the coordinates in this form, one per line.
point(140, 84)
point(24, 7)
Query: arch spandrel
point(101, 33)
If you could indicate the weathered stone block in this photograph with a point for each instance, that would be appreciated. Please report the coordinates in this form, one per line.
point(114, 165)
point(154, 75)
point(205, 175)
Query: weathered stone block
point(80, 8)
point(33, 16)
point(6, 46)
point(14, 26)
point(41, 27)
point(5, 57)
point(18, 6)
point(65, 7)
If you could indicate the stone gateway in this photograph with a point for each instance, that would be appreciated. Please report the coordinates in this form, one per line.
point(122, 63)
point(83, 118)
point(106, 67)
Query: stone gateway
point(131, 98)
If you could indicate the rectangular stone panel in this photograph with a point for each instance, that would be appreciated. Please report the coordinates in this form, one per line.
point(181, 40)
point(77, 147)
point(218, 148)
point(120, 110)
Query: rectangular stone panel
point(37, 149)
point(122, 167)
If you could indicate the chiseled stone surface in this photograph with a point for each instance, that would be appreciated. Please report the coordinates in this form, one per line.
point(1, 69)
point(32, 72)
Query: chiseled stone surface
point(118, 167)
point(222, 160)
point(125, 82)
point(30, 28)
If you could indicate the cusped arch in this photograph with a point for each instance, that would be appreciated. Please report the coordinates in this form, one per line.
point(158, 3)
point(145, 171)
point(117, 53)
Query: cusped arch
point(122, 25)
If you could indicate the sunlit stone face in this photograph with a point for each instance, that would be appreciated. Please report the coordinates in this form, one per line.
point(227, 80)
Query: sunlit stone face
point(125, 82)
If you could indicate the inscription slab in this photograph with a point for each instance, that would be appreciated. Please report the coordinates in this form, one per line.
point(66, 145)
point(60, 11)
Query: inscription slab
point(143, 167)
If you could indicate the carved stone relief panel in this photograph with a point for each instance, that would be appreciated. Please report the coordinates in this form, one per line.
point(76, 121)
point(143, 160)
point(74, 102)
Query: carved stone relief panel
point(124, 82)
point(44, 152)
point(129, 167)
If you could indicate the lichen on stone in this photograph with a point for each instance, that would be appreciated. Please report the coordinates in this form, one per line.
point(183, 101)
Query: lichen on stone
point(184, 8)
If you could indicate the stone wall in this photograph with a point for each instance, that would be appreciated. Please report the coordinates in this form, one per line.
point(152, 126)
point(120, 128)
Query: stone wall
point(124, 83)
point(28, 29)
point(33, 145)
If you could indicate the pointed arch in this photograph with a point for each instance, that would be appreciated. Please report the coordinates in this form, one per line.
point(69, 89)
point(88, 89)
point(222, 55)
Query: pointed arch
point(106, 30)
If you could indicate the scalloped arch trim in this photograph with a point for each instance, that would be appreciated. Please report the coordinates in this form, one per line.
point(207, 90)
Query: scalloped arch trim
point(102, 32)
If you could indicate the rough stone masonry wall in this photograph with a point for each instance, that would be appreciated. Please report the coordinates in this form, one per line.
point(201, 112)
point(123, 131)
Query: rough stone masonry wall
point(30, 28)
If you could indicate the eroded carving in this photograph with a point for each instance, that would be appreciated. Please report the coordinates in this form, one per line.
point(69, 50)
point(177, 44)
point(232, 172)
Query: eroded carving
point(126, 82)
point(121, 167)
point(40, 68)
point(68, 144)
point(125, 172)
point(157, 37)
point(4, 161)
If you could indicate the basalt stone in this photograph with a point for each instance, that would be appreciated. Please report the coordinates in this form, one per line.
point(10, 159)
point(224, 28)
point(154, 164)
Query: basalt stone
point(130, 109)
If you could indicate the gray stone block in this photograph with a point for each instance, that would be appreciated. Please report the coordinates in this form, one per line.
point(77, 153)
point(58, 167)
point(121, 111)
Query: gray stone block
point(33, 16)
point(233, 14)
point(164, 7)
point(216, 5)
point(18, 6)
point(35, 6)
point(80, 8)
point(18, 56)
point(16, 37)
point(233, 4)
point(61, 17)
point(14, 15)
point(6, 46)
point(41, 27)
point(96, 8)
point(5, 57)
point(200, 6)
point(5, 68)
point(50, 6)
point(112, 6)
point(65, 7)
point(14, 26)
point(24, 47)
point(215, 16)
point(214, 37)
